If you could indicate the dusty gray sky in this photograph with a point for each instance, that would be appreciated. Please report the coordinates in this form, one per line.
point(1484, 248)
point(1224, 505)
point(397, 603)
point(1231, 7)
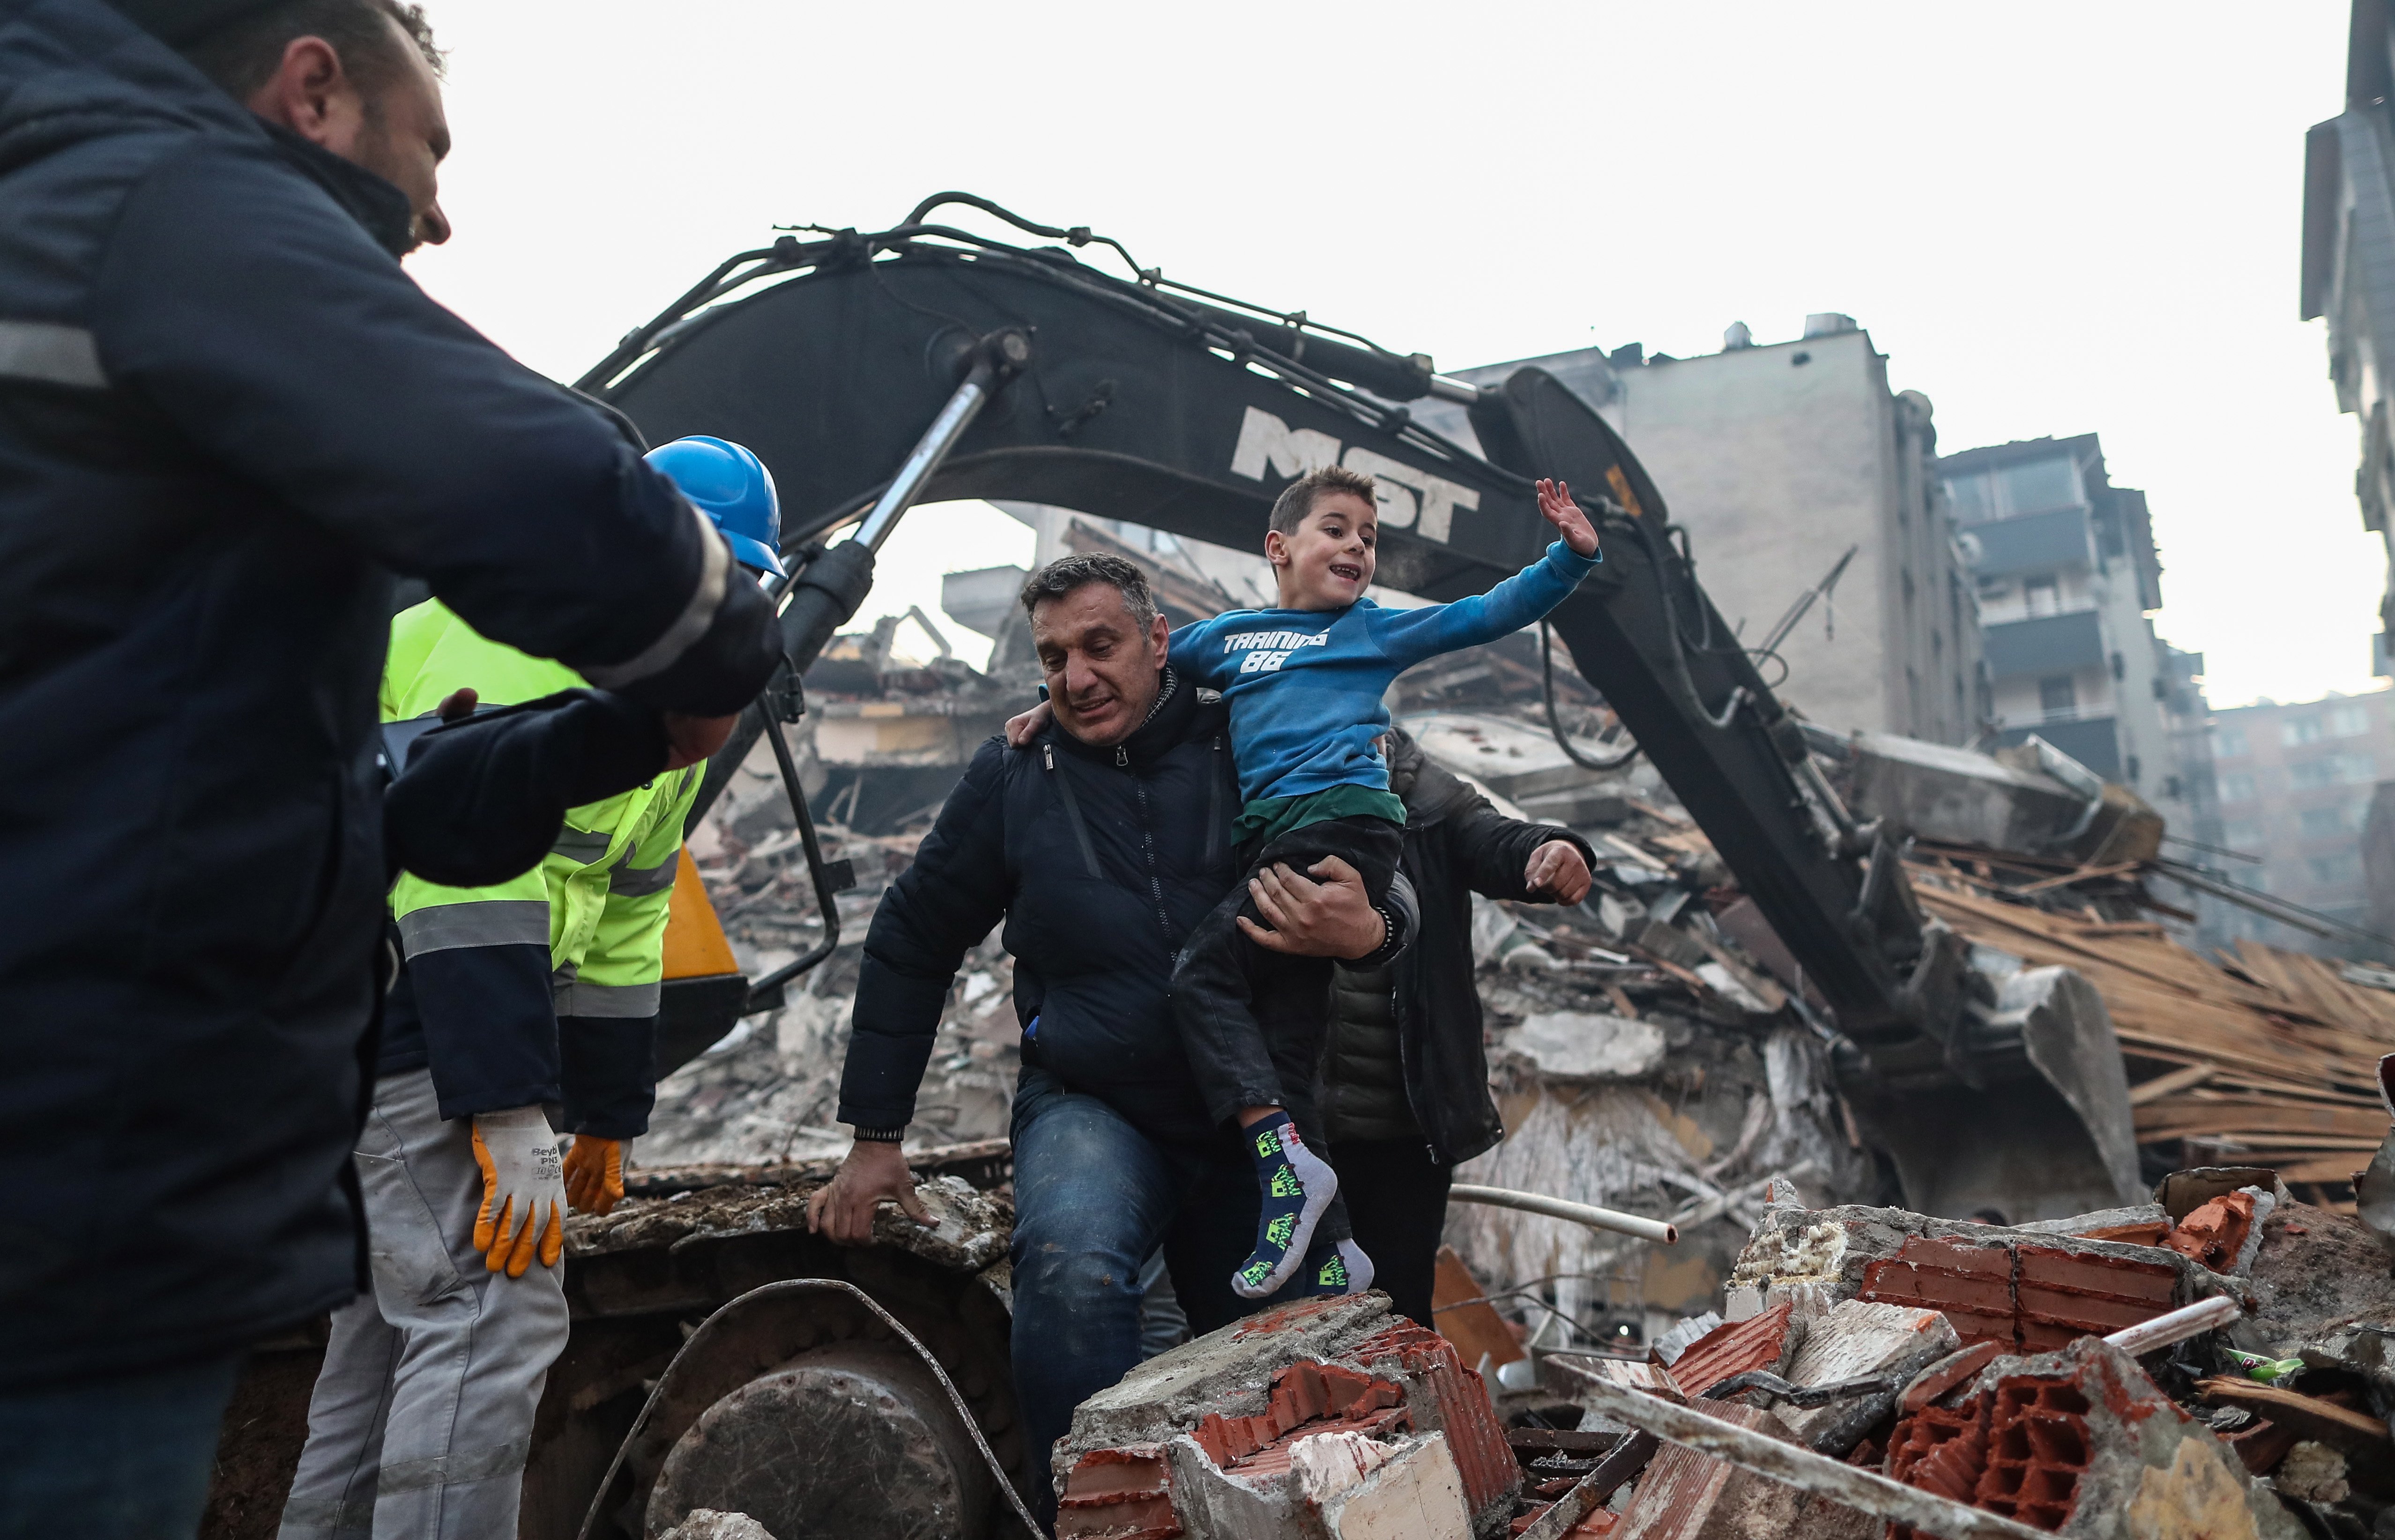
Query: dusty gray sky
point(2054, 219)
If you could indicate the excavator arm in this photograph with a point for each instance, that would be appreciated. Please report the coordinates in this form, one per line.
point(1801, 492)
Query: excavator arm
point(1140, 399)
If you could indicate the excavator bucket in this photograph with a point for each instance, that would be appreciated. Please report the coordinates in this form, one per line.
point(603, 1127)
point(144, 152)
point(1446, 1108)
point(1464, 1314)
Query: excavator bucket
point(2041, 1129)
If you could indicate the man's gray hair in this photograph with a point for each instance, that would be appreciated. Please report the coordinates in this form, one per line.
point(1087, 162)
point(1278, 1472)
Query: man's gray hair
point(243, 54)
point(1068, 574)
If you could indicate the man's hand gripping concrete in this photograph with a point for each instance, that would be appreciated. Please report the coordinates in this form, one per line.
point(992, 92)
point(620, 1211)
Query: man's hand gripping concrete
point(874, 1173)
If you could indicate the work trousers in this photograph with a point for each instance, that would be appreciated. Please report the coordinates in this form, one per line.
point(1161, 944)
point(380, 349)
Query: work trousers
point(1397, 1198)
point(1094, 1200)
point(125, 1457)
point(1251, 1020)
point(422, 1415)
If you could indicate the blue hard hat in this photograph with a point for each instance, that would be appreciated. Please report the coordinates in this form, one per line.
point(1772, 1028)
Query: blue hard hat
point(732, 486)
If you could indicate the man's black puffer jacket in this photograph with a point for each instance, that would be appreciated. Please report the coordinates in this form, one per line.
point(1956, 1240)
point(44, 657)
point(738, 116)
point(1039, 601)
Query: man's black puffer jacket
point(226, 417)
point(1456, 845)
point(1099, 861)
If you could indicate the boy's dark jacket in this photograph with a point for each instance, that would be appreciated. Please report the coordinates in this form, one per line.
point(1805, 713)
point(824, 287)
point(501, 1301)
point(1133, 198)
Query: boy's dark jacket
point(1099, 860)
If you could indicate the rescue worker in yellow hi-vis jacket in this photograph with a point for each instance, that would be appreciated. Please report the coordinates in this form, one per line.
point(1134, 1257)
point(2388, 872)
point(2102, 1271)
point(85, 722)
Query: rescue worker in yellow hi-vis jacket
point(541, 992)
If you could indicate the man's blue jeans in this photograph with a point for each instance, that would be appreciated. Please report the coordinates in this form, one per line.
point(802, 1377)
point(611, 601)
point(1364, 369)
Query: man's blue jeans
point(1093, 1198)
point(123, 1458)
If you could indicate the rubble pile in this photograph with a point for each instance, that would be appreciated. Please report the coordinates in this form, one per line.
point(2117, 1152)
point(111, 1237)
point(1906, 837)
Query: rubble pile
point(2262, 1056)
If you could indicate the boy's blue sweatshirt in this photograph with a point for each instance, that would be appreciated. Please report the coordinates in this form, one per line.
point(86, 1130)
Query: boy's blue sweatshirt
point(1304, 686)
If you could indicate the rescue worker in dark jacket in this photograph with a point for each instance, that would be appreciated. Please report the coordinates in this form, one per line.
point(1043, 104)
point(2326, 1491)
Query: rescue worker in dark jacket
point(1099, 845)
point(1406, 1083)
point(227, 417)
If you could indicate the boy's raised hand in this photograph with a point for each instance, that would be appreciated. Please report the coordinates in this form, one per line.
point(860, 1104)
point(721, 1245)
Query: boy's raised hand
point(1556, 506)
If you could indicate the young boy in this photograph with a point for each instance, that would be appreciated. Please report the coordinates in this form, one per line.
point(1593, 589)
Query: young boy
point(1304, 682)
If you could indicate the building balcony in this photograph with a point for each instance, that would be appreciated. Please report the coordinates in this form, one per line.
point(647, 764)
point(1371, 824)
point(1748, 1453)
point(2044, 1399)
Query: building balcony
point(2092, 740)
point(2038, 543)
point(2045, 645)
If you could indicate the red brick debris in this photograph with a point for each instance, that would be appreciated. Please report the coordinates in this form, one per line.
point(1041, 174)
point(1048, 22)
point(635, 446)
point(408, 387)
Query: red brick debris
point(2214, 1232)
point(2017, 1449)
point(2037, 1450)
point(1940, 1448)
point(1475, 1436)
point(1757, 1342)
point(1306, 1399)
point(1122, 1493)
point(2016, 1295)
point(1944, 1377)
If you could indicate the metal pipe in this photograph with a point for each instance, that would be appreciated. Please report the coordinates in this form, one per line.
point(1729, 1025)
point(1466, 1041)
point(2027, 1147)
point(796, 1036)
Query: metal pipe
point(2177, 1325)
point(1661, 1231)
point(929, 451)
point(1447, 387)
point(1866, 1491)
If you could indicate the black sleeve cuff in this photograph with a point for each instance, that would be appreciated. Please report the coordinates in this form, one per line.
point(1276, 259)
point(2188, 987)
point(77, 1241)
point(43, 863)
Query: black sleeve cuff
point(490, 1031)
point(609, 1073)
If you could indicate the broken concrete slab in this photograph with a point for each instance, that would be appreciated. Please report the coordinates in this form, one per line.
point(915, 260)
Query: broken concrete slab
point(1688, 1495)
point(1583, 1048)
point(1851, 1340)
point(1241, 1400)
point(1227, 1372)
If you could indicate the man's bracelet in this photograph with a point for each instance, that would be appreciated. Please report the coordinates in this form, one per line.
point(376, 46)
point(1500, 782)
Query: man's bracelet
point(881, 1136)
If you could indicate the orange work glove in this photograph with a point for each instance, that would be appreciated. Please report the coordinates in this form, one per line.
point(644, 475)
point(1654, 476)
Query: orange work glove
point(523, 1190)
point(594, 1173)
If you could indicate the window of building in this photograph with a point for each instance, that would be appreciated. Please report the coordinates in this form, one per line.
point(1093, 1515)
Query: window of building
point(2057, 698)
point(1971, 498)
point(2229, 742)
point(1993, 588)
point(2343, 867)
point(2042, 593)
point(2040, 485)
point(2320, 822)
point(2241, 834)
point(2237, 786)
point(2348, 721)
point(2297, 730)
point(2332, 770)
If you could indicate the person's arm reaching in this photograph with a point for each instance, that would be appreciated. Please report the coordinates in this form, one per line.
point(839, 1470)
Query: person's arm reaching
point(1502, 857)
point(1410, 636)
point(940, 907)
point(267, 328)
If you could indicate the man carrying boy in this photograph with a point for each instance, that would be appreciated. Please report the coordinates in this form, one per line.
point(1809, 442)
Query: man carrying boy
point(1305, 684)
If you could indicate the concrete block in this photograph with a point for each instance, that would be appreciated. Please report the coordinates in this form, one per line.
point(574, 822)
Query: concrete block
point(1574, 1047)
point(1413, 1491)
point(1227, 1372)
point(1326, 1486)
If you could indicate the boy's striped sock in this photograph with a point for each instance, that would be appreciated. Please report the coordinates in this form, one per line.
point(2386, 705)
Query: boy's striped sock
point(1335, 1270)
point(1297, 1186)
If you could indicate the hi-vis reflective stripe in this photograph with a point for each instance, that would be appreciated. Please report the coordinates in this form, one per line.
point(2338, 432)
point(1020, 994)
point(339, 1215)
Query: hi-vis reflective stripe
point(581, 845)
point(492, 922)
point(639, 882)
point(53, 354)
point(573, 997)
